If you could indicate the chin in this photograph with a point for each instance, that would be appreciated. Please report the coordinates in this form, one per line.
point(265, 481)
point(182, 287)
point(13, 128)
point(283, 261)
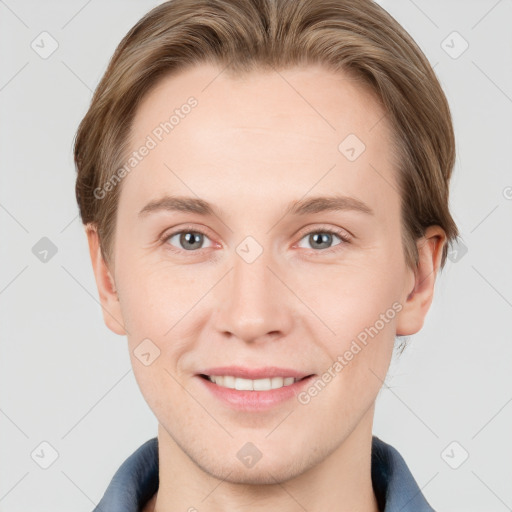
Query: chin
point(268, 475)
point(267, 470)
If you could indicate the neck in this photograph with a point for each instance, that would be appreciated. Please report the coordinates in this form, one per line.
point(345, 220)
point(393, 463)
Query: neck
point(341, 482)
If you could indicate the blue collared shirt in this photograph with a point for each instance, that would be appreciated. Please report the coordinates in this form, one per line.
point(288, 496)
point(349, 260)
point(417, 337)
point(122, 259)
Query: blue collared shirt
point(136, 481)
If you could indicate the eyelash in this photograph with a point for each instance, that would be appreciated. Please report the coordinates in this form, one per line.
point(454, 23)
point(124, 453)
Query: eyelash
point(341, 234)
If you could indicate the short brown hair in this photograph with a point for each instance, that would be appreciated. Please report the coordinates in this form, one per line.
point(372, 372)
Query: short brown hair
point(357, 37)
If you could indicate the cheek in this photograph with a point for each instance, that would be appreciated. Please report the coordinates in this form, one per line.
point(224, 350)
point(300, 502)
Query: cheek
point(160, 310)
point(154, 299)
point(360, 307)
point(358, 360)
point(354, 297)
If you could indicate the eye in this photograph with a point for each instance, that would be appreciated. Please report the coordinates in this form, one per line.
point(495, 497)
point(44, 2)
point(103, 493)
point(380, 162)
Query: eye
point(322, 238)
point(187, 239)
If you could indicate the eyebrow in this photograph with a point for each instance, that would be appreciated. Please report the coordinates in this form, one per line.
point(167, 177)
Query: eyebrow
point(316, 204)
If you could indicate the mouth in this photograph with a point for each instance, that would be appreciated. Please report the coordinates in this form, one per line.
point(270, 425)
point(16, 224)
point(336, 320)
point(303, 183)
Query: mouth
point(273, 387)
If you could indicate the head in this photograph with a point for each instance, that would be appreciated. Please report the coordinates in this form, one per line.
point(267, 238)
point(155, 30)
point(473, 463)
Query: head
point(227, 121)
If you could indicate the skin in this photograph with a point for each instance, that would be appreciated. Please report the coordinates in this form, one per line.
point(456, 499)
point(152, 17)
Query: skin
point(250, 147)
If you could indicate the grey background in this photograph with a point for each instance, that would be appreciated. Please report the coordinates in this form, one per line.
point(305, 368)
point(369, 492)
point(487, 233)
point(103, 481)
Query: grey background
point(65, 379)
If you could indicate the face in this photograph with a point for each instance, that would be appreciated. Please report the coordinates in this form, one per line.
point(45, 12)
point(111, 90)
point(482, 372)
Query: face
point(270, 277)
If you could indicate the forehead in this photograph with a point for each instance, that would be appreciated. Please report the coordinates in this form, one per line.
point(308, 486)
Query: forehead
point(271, 134)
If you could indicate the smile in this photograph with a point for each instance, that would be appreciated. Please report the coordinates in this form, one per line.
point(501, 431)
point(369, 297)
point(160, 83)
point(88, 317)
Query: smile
point(257, 394)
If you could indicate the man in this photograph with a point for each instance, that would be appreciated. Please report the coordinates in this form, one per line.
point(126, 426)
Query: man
point(264, 185)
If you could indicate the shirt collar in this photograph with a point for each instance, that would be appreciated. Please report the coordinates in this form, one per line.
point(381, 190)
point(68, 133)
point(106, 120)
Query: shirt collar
point(135, 482)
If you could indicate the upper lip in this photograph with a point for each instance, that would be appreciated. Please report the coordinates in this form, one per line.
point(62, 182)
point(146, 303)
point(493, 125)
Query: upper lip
point(254, 373)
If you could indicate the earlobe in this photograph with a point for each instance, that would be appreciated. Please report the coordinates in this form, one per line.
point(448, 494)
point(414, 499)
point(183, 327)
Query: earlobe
point(418, 301)
point(105, 283)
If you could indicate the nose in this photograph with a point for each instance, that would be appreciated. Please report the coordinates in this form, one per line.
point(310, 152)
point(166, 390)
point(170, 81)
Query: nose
point(255, 303)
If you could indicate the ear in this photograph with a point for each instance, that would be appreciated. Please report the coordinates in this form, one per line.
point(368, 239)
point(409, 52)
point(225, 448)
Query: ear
point(430, 249)
point(109, 300)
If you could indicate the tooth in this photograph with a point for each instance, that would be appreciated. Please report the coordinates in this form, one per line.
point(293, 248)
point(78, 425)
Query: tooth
point(262, 385)
point(277, 382)
point(229, 381)
point(243, 384)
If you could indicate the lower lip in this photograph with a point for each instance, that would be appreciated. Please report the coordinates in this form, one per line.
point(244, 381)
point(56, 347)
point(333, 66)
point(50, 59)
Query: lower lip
point(255, 400)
